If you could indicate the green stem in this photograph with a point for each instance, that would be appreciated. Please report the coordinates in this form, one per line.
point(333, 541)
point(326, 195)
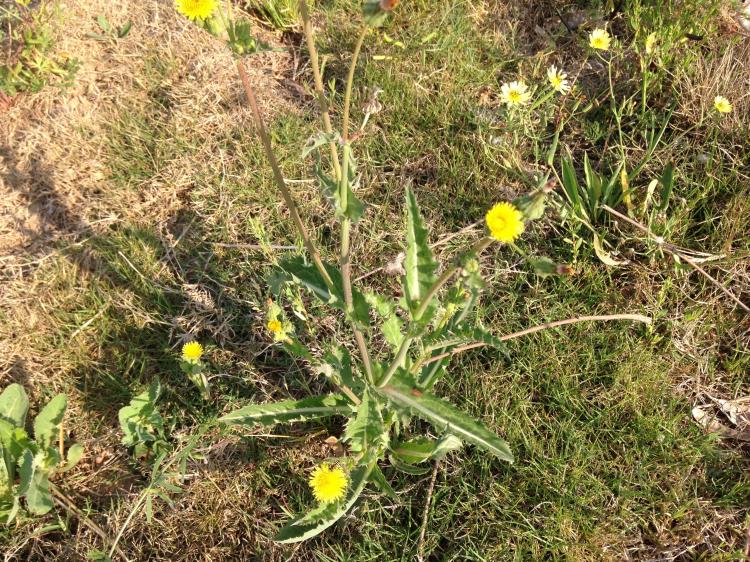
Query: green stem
point(346, 224)
point(279, 177)
point(398, 361)
point(318, 80)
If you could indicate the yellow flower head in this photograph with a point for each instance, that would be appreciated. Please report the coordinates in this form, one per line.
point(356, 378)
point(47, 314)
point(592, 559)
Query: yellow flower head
point(650, 43)
point(722, 104)
point(192, 351)
point(515, 93)
point(196, 9)
point(275, 326)
point(505, 222)
point(558, 79)
point(600, 39)
point(328, 484)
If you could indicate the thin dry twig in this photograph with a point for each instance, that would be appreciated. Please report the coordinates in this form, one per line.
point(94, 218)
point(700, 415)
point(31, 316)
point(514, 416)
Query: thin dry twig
point(672, 249)
point(63, 501)
point(426, 512)
point(538, 328)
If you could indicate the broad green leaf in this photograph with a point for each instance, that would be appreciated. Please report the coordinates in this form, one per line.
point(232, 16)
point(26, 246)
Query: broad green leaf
point(289, 411)
point(366, 430)
point(378, 478)
point(570, 186)
point(305, 527)
point(593, 183)
point(38, 497)
point(392, 326)
point(320, 139)
point(75, 452)
point(330, 189)
point(444, 416)
point(309, 277)
point(48, 421)
point(419, 264)
point(14, 405)
point(423, 449)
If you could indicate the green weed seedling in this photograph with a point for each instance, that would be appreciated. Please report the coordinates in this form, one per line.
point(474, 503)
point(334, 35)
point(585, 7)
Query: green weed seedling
point(142, 425)
point(28, 464)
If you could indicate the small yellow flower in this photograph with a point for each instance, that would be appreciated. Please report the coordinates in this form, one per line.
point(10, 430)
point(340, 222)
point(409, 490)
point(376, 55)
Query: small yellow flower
point(722, 104)
point(192, 351)
point(275, 326)
point(328, 484)
point(600, 39)
point(196, 9)
point(558, 80)
point(505, 222)
point(515, 93)
point(650, 43)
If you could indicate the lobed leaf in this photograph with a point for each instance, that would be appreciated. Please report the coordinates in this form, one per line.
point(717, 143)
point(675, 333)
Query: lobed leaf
point(366, 431)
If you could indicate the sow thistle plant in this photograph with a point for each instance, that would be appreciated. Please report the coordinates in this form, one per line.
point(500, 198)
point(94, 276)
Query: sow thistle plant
point(424, 329)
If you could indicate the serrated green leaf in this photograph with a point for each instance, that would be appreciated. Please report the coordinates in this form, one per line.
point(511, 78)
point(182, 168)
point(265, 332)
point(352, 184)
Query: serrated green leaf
point(443, 416)
point(309, 277)
point(14, 405)
point(419, 263)
point(366, 431)
point(48, 421)
point(321, 138)
point(303, 528)
point(289, 411)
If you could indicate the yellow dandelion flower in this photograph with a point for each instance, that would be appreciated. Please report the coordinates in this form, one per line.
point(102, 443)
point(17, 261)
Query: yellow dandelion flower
point(328, 484)
point(558, 80)
point(192, 351)
point(196, 9)
point(600, 39)
point(505, 222)
point(515, 93)
point(722, 104)
point(650, 43)
point(275, 326)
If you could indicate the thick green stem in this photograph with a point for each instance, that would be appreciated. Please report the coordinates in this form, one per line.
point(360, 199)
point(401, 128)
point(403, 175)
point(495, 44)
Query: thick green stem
point(279, 177)
point(318, 80)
